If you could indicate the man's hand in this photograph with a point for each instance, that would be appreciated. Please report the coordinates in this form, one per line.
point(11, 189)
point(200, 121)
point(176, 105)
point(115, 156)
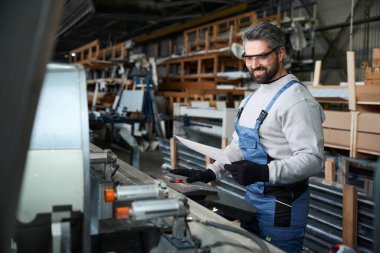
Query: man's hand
point(246, 172)
point(195, 175)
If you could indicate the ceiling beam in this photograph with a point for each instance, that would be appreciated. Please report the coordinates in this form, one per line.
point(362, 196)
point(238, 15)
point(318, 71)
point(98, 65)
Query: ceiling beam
point(219, 14)
point(182, 17)
point(345, 24)
point(176, 3)
point(217, 1)
point(128, 16)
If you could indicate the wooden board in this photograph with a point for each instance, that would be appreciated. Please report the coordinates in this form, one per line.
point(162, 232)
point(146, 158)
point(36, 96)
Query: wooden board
point(337, 138)
point(369, 122)
point(351, 80)
point(330, 170)
point(317, 73)
point(368, 93)
point(350, 215)
point(337, 120)
point(376, 57)
point(368, 142)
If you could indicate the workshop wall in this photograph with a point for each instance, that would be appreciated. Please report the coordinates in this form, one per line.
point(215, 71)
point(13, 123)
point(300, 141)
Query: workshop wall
point(338, 12)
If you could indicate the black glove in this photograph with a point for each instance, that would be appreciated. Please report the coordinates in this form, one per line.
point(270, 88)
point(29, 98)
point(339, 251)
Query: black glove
point(195, 175)
point(245, 172)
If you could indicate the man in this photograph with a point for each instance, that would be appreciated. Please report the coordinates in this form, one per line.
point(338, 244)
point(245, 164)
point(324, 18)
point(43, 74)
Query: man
point(277, 144)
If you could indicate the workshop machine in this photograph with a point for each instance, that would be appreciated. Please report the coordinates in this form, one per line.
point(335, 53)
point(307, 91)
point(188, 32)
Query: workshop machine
point(53, 208)
point(135, 213)
point(76, 197)
point(148, 204)
point(126, 212)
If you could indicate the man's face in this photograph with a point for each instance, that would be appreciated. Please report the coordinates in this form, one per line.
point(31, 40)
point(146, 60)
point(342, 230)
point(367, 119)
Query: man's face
point(264, 63)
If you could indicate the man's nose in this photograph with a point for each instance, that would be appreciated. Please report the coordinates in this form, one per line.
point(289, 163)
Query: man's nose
point(254, 64)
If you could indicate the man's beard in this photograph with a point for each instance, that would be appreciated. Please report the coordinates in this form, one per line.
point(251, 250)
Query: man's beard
point(268, 75)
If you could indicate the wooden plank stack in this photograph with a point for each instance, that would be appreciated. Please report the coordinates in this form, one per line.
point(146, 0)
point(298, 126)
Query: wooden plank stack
point(372, 73)
point(356, 130)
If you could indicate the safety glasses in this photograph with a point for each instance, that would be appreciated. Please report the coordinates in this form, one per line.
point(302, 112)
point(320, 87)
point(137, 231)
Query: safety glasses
point(257, 57)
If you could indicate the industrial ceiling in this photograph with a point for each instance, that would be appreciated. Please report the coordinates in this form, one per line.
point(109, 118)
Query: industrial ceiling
point(119, 20)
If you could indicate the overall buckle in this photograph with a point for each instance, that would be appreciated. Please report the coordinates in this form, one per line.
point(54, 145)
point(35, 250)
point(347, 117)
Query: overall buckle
point(262, 116)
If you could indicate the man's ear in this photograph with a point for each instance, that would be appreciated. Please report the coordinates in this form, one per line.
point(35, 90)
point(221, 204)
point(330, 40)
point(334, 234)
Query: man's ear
point(281, 53)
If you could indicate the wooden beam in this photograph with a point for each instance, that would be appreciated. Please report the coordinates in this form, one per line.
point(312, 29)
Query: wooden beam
point(173, 153)
point(199, 68)
point(350, 215)
point(215, 31)
point(207, 41)
point(351, 80)
point(317, 73)
point(330, 170)
point(375, 57)
point(354, 133)
point(186, 43)
point(215, 70)
point(231, 37)
point(182, 71)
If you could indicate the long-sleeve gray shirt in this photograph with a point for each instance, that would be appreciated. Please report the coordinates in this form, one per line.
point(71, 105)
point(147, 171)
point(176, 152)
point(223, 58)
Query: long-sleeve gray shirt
point(291, 133)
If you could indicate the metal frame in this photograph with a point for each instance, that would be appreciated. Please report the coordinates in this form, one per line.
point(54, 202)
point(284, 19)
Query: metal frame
point(376, 247)
point(25, 53)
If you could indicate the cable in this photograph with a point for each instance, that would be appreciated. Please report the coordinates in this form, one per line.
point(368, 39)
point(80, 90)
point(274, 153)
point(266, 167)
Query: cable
point(114, 172)
point(245, 233)
point(206, 248)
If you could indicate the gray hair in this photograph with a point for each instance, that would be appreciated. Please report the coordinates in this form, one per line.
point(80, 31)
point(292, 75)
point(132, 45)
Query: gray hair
point(267, 32)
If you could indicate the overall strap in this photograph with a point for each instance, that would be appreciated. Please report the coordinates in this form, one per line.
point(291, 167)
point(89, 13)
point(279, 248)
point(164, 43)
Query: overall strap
point(248, 98)
point(264, 113)
point(240, 111)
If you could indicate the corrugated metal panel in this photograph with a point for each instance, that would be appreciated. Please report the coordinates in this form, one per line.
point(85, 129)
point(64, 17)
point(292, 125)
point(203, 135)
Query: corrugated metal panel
point(336, 12)
point(164, 47)
point(362, 42)
point(333, 12)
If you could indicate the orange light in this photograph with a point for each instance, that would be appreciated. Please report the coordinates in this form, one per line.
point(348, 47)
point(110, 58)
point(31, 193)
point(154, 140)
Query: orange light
point(122, 212)
point(109, 195)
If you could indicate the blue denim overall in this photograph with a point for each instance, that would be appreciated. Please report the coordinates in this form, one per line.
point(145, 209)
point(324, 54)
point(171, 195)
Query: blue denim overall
point(281, 210)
